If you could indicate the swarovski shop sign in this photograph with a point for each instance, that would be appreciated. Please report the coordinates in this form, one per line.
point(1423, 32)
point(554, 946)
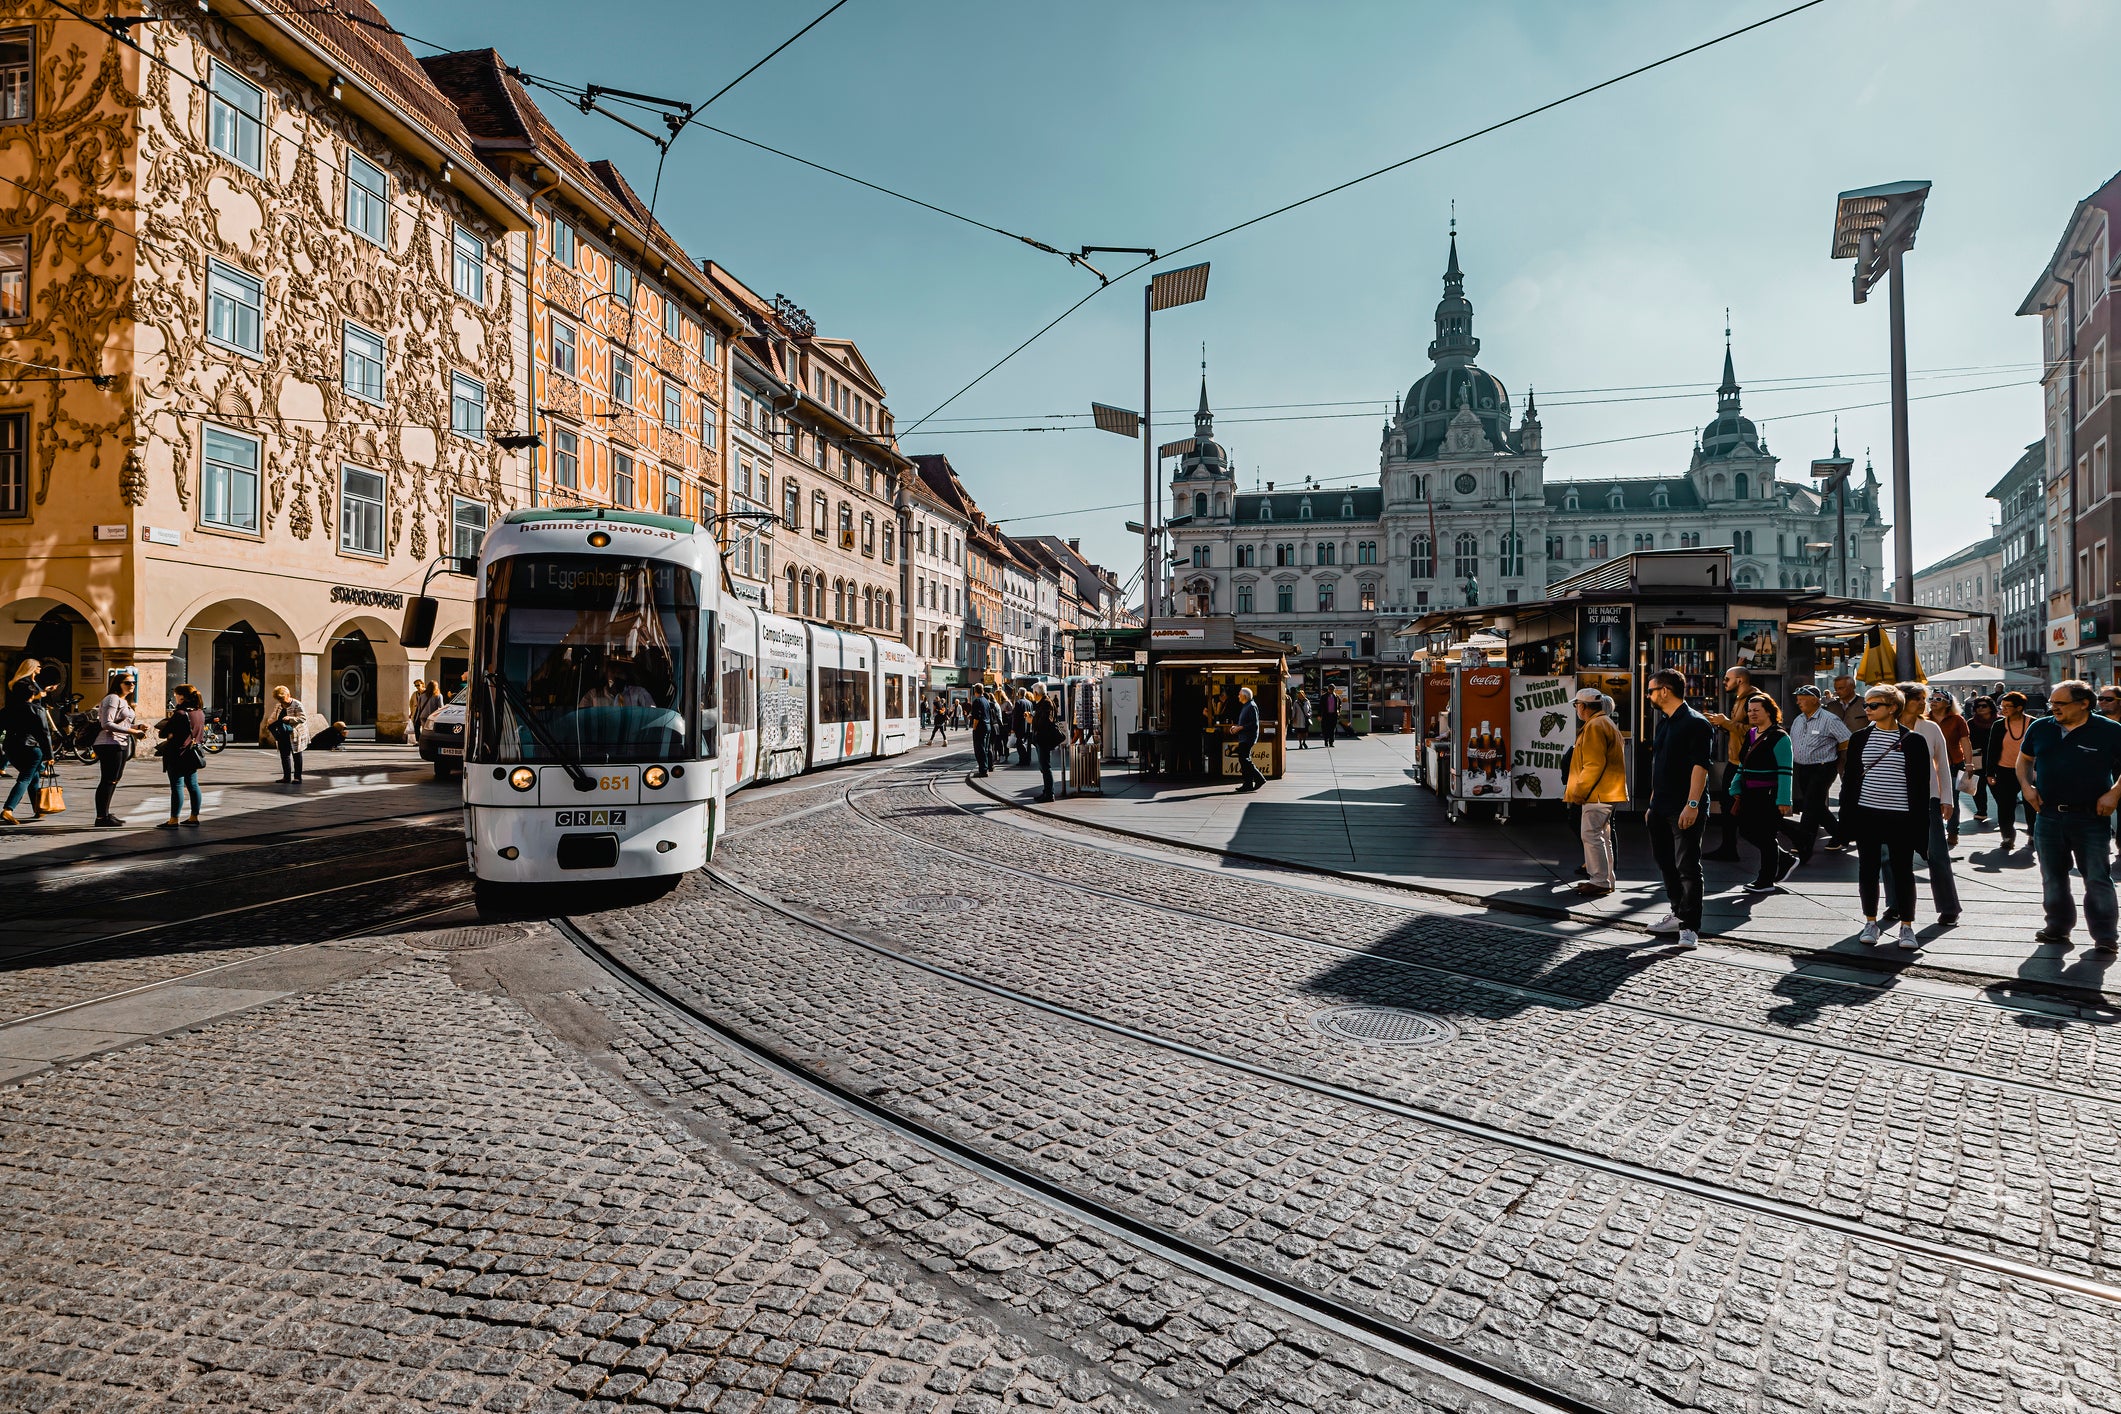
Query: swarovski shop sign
point(367, 598)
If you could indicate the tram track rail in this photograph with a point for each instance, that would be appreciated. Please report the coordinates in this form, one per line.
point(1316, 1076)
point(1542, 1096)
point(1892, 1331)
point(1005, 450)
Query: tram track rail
point(1511, 989)
point(1352, 1322)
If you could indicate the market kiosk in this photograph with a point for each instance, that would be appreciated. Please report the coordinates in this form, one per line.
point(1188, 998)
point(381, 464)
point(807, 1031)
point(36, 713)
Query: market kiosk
point(1613, 625)
point(1195, 667)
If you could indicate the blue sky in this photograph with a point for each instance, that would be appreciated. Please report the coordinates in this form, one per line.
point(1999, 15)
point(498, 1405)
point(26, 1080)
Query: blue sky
point(1601, 242)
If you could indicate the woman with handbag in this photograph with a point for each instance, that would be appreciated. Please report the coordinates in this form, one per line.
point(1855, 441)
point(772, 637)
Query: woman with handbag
point(1762, 790)
point(1045, 734)
point(183, 751)
point(1958, 745)
point(26, 739)
point(290, 732)
point(1885, 808)
point(117, 725)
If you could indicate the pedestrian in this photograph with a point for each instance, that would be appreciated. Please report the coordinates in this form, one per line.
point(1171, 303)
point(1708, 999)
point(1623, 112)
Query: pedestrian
point(25, 738)
point(117, 727)
point(183, 750)
point(1738, 688)
point(1247, 738)
point(983, 729)
point(330, 739)
point(2068, 767)
point(428, 702)
point(1598, 781)
point(1763, 792)
point(1847, 705)
point(938, 721)
point(1980, 717)
point(1045, 734)
point(1329, 715)
point(1020, 725)
point(290, 732)
point(1300, 717)
point(2005, 742)
point(1885, 807)
point(1933, 847)
point(1679, 792)
point(1817, 739)
point(1958, 745)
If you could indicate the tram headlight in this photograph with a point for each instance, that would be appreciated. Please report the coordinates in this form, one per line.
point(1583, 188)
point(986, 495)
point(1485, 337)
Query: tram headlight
point(598, 539)
point(523, 778)
point(655, 778)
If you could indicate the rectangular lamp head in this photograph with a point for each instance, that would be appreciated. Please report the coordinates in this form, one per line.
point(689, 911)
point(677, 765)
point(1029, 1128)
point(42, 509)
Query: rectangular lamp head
point(1177, 287)
point(1828, 468)
point(1112, 419)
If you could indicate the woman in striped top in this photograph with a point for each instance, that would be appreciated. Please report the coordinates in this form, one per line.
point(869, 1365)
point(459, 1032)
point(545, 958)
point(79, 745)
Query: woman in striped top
point(1885, 805)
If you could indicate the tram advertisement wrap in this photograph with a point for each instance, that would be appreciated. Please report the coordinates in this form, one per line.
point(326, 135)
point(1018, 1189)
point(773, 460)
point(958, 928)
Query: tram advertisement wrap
point(1480, 720)
point(1542, 729)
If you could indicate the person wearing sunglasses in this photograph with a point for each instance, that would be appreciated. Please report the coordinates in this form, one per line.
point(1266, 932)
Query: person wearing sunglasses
point(1886, 809)
point(2068, 766)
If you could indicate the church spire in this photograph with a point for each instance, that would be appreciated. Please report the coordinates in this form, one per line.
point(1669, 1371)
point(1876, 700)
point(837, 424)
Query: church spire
point(1454, 312)
point(1203, 419)
point(1727, 394)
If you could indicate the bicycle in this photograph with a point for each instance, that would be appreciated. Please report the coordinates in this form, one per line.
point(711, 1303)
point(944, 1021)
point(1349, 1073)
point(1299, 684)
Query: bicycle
point(216, 732)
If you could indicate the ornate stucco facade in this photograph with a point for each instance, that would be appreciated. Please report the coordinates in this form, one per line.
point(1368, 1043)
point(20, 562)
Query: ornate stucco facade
point(273, 324)
point(1463, 511)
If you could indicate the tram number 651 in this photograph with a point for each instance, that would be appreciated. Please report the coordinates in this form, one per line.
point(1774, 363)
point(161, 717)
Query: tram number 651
point(614, 783)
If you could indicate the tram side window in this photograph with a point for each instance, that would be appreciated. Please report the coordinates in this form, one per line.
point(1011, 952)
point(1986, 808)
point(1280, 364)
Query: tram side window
point(894, 695)
point(739, 705)
point(828, 696)
point(857, 689)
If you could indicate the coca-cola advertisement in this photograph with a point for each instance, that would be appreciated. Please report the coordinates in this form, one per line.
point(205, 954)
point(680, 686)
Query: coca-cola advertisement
point(1480, 720)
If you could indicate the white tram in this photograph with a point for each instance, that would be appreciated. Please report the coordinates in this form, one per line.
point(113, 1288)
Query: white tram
point(618, 694)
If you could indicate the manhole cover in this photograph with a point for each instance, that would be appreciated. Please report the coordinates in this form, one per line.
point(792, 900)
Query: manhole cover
point(1383, 1026)
point(940, 905)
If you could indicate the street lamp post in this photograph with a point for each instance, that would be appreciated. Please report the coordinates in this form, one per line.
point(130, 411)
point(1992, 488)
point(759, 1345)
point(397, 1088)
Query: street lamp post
point(1876, 225)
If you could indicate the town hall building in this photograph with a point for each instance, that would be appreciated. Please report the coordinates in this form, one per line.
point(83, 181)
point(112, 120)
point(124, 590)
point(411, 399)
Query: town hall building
point(1465, 513)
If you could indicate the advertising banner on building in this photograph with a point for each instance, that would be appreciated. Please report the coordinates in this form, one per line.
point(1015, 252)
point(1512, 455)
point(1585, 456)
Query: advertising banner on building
point(1542, 728)
point(1757, 645)
point(1480, 726)
point(1605, 638)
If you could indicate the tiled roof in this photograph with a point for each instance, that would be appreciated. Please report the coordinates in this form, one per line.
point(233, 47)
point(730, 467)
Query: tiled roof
point(355, 33)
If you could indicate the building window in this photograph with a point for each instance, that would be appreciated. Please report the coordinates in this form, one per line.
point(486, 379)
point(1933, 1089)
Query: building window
point(621, 379)
point(1325, 596)
point(360, 511)
point(1285, 598)
point(791, 505)
point(1246, 556)
point(563, 352)
point(467, 527)
point(1325, 552)
point(361, 364)
point(1368, 598)
point(709, 425)
point(622, 493)
point(562, 243)
point(1347, 508)
point(673, 494)
point(18, 94)
point(1423, 560)
point(228, 495)
point(467, 407)
point(14, 465)
point(1465, 557)
point(367, 197)
point(817, 451)
point(1513, 554)
point(673, 403)
point(1303, 509)
point(621, 284)
point(566, 458)
point(235, 309)
point(1266, 510)
point(817, 514)
point(868, 533)
point(14, 279)
point(1554, 550)
point(1597, 547)
point(1244, 598)
point(1366, 552)
point(467, 266)
point(1200, 557)
point(1742, 487)
point(890, 555)
point(2102, 482)
point(846, 526)
point(236, 118)
point(710, 347)
point(1284, 554)
point(673, 319)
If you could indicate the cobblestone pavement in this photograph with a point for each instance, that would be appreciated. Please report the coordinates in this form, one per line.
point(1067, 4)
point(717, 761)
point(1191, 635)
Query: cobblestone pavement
point(1999, 1165)
point(465, 1169)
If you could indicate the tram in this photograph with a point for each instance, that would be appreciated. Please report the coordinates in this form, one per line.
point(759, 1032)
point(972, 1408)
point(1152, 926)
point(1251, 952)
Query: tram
point(619, 693)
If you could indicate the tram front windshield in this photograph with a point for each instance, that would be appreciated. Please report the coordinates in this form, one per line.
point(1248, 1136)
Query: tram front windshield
point(588, 659)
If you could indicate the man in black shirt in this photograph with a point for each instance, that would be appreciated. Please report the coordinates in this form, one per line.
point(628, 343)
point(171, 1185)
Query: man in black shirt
point(1679, 788)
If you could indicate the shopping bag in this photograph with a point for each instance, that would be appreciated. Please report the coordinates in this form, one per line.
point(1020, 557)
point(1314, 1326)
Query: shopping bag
point(51, 800)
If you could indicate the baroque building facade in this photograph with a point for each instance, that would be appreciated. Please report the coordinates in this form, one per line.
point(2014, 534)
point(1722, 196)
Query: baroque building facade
point(266, 331)
point(1463, 511)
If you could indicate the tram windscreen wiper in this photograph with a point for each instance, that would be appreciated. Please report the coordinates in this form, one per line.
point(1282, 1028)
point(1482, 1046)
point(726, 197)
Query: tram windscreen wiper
point(582, 779)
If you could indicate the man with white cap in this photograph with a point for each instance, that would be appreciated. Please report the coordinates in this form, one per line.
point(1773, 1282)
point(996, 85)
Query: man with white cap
point(1817, 739)
point(1598, 780)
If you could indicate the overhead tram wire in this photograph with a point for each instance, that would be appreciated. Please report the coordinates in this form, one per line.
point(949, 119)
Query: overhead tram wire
point(1343, 481)
point(1367, 176)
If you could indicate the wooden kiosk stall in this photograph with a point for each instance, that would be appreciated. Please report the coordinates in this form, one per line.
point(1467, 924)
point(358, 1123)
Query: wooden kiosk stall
point(1614, 624)
point(1196, 665)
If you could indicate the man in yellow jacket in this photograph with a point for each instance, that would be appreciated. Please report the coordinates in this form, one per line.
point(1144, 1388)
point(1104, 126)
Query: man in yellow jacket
point(1598, 781)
